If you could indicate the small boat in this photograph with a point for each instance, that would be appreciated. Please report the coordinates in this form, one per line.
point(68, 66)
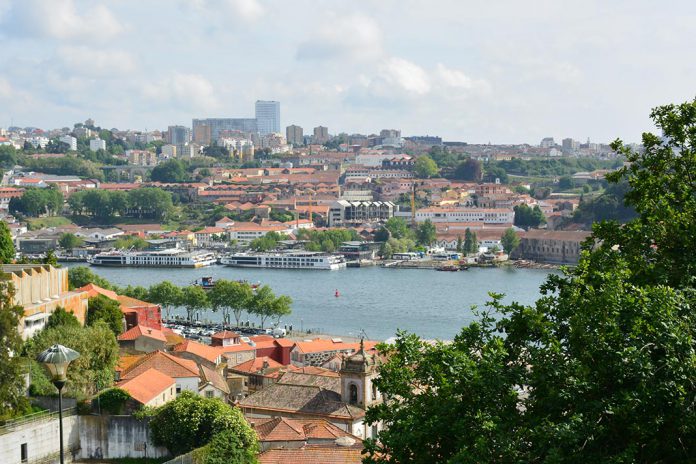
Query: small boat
point(206, 283)
point(337, 294)
point(448, 268)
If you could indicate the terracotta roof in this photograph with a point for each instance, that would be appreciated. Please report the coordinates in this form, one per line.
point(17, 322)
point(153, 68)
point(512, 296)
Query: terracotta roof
point(95, 290)
point(129, 302)
point(235, 348)
point(124, 362)
point(284, 429)
point(213, 377)
point(305, 399)
point(163, 362)
point(258, 366)
point(314, 454)
point(210, 353)
point(142, 331)
point(147, 385)
point(225, 334)
point(322, 344)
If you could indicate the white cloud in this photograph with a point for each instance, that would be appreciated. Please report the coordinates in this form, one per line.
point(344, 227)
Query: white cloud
point(60, 19)
point(353, 36)
point(96, 62)
point(182, 91)
point(405, 75)
point(249, 10)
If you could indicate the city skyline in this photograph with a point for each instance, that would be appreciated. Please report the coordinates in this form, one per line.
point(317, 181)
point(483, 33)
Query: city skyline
point(504, 73)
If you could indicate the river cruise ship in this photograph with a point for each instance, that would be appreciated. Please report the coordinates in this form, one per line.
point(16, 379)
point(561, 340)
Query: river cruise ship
point(173, 257)
point(286, 260)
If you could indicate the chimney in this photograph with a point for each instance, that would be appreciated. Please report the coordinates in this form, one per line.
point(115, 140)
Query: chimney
point(265, 363)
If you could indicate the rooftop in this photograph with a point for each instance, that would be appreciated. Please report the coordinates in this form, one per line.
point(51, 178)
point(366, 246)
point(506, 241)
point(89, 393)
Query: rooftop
point(147, 385)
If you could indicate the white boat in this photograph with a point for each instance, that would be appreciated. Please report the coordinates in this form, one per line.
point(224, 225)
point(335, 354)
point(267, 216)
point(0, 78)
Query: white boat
point(286, 260)
point(173, 257)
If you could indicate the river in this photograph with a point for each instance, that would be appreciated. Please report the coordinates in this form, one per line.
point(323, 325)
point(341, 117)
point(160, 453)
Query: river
point(376, 300)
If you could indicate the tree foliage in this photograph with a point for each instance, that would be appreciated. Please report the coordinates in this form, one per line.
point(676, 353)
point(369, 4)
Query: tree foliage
point(170, 171)
point(7, 249)
point(510, 240)
point(37, 201)
point(469, 169)
point(12, 400)
point(471, 244)
point(191, 421)
point(92, 371)
point(194, 299)
point(230, 297)
point(426, 233)
point(527, 217)
point(61, 317)
point(165, 294)
point(79, 276)
point(101, 308)
point(600, 369)
point(425, 167)
point(68, 241)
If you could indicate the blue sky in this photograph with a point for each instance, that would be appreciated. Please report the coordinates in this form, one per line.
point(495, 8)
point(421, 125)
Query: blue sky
point(504, 71)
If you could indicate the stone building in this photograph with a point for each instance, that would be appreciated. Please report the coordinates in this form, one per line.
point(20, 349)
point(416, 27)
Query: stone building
point(551, 246)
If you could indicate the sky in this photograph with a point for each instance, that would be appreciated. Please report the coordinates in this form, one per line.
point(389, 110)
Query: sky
point(500, 71)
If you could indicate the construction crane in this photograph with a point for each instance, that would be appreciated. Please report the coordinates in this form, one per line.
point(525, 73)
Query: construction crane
point(413, 204)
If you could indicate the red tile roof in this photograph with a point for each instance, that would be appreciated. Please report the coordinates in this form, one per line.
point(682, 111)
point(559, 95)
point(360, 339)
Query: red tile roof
point(321, 344)
point(284, 429)
point(95, 290)
point(163, 362)
point(225, 334)
point(313, 454)
point(210, 353)
point(142, 331)
point(258, 366)
point(147, 385)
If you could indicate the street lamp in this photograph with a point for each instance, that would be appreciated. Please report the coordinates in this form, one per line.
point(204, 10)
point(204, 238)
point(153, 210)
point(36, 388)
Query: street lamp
point(56, 359)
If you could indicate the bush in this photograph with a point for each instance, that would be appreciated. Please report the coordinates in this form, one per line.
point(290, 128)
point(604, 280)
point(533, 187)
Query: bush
point(191, 421)
point(227, 448)
point(113, 400)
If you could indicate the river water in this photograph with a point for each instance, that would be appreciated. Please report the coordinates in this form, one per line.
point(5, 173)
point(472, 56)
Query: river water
point(376, 300)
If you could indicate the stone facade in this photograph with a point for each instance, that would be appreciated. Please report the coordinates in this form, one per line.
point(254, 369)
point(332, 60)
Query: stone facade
point(551, 246)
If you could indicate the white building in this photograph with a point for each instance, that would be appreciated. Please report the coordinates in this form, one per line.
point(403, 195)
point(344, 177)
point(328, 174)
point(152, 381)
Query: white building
point(70, 141)
point(38, 141)
point(485, 215)
point(268, 117)
point(97, 144)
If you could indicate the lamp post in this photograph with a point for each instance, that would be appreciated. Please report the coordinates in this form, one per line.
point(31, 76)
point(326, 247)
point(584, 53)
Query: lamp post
point(56, 359)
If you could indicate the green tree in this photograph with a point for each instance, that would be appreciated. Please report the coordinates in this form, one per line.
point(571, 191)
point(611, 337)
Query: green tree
point(265, 304)
point(460, 244)
point(510, 240)
point(471, 244)
point(566, 183)
point(267, 242)
point(386, 251)
point(397, 227)
point(61, 317)
point(527, 217)
point(599, 369)
point(191, 421)
point(150, 202)
point(227, 448)
point(94, 368)
point(170, 171)
point(165, 294)
point(7, 249)
point(194, 299)
point(131, 242)
point(425, 167)
point(68, 241)
point(101, 308)
point(79, 276)
point(113, 400)
point(425, 233)
point(230, 296)
point(493, 172)
point(12, 398)
point(469, 169)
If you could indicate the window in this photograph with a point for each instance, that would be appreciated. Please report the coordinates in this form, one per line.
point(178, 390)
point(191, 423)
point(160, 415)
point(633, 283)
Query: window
point(353, 393)
point(374, 391)
point(178, 388)
point(209, 394)
point(24, 453)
